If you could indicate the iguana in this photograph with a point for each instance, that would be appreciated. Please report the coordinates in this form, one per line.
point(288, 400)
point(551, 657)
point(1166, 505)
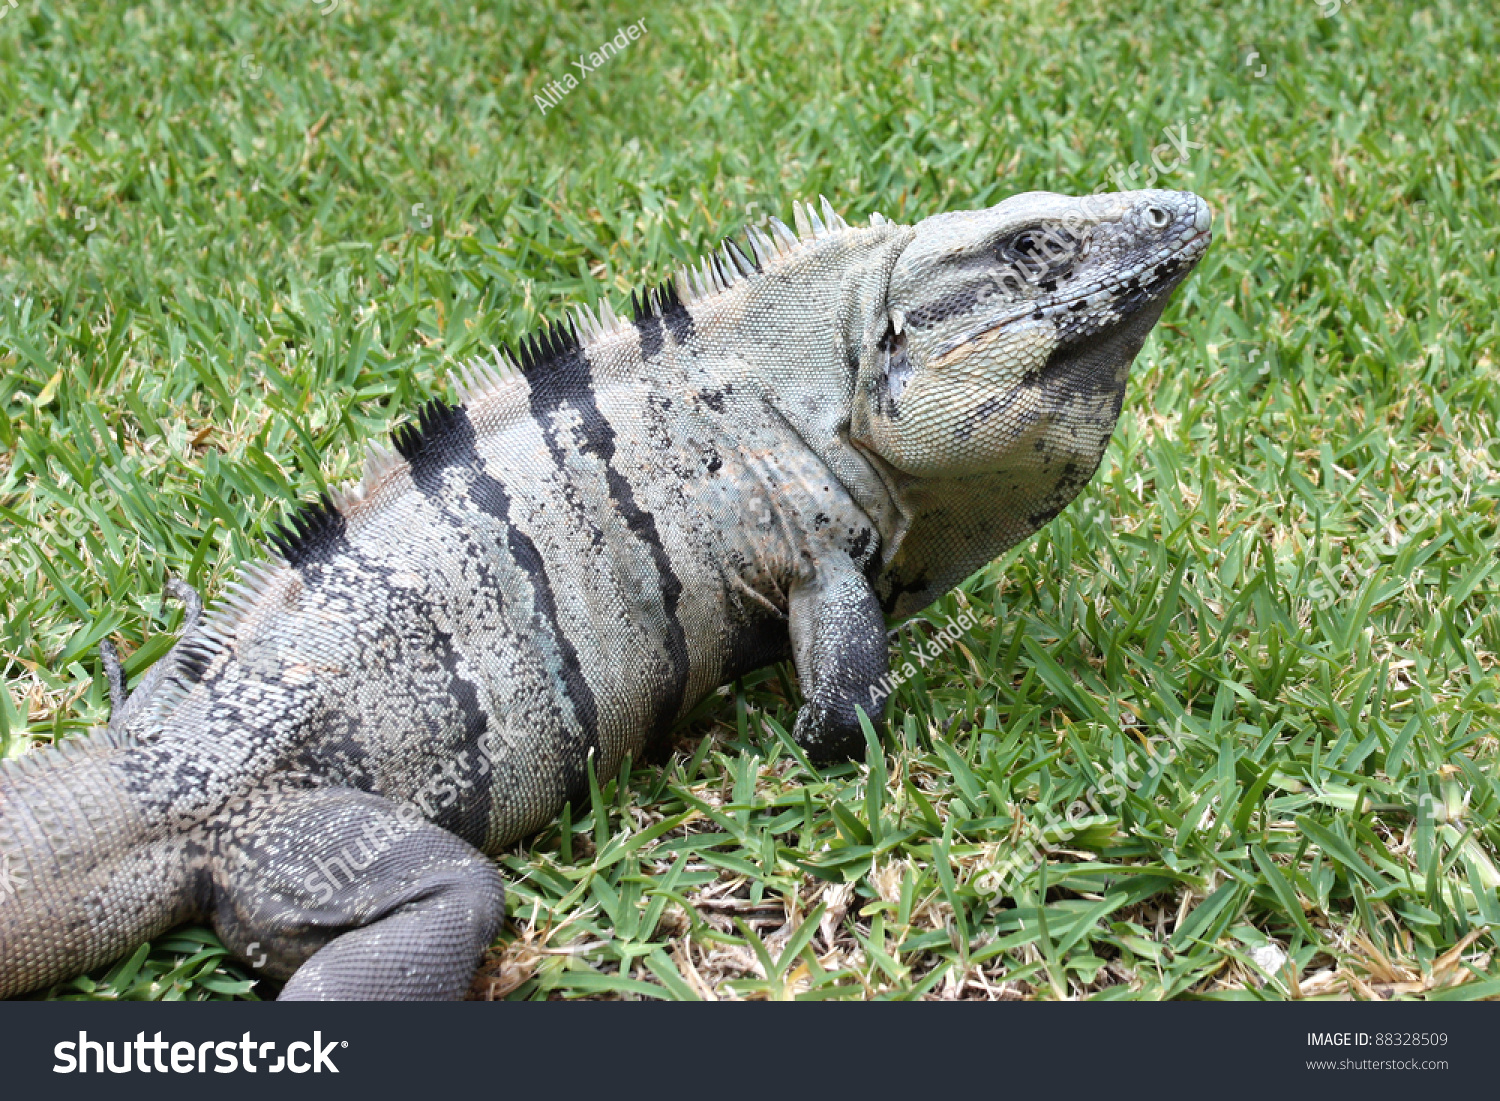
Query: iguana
point(801, 438)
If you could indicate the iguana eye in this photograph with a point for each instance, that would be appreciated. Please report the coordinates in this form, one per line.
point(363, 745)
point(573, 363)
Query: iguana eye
point(1039, 253)
point(1039, 245)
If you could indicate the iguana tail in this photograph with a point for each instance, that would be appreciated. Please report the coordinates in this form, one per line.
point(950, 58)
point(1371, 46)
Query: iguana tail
point(84, 878)
point(342, 892)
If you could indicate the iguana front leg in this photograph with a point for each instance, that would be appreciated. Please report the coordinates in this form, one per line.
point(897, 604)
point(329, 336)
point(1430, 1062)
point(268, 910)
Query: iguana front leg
point(839, 645)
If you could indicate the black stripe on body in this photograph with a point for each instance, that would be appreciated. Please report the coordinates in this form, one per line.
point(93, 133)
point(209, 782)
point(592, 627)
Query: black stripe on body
point(192, 659)
point(441, 437)
point(567, 382)
point(467, 810)
point(439, 713)
point(444, 438)
point(659, 312)
point(575, 684)
point(675, 316)
point(647, 326)
point(314, 534)
point(311, 537)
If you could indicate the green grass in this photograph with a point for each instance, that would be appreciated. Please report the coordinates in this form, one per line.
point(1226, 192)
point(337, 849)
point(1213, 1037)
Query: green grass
point(1256, 658)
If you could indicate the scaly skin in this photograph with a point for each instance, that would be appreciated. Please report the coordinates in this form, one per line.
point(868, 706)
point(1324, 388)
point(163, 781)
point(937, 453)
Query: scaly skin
point(782, 451)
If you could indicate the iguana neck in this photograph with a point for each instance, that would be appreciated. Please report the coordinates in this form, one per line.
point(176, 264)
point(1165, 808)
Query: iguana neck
point(804, 333)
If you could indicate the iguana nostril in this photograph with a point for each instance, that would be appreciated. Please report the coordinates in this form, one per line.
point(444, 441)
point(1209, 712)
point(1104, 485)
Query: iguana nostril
point(1158, 217)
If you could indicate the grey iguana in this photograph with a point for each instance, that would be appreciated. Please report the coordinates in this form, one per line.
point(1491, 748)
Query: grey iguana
point(803, 437)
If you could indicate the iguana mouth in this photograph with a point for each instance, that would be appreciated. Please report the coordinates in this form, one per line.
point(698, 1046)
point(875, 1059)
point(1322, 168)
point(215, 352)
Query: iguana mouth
point(1121, 298)
point(1125, 296)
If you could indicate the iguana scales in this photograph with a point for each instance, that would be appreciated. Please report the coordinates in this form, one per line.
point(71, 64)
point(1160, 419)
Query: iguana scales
point(800, 439)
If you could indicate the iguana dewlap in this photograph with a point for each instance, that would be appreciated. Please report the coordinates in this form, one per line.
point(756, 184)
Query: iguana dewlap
point(786, 448)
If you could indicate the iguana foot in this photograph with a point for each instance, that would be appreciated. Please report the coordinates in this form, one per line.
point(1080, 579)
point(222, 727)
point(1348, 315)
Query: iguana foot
point(842, 656)
point(353, 896)
point(120, 707)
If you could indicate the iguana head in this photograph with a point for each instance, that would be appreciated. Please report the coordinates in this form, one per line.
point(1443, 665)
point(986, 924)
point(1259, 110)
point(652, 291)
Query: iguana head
point(1010, 331)
point(990, 388)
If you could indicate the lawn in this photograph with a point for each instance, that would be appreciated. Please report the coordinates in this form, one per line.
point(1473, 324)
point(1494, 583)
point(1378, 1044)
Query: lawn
point(1224, 729)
